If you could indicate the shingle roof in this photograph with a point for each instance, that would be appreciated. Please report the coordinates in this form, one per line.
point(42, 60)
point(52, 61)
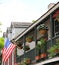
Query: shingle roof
point(20, 24)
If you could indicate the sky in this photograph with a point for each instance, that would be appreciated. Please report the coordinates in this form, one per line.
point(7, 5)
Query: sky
point(21, 11)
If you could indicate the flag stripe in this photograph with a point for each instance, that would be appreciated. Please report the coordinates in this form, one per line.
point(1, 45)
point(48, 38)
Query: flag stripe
point(9, 51)
point(10, 59)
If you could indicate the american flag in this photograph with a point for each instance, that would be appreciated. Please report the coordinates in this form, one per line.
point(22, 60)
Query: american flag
point(7, 50)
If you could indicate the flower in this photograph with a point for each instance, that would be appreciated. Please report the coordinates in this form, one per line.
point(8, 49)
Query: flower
point(56, 14)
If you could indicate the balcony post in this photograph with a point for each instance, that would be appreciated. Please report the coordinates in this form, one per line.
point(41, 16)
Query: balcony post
point(24, 44)
point(51, 28)
point(35, 37)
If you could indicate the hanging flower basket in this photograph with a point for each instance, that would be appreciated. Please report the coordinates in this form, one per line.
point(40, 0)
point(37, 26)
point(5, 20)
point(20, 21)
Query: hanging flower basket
point(28, 61)
point(29, 39)
point(43, 29)
point(56, 15)
point(19, 44)
point(26, 48)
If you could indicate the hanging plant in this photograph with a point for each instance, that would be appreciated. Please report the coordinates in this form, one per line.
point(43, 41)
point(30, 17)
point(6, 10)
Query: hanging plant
point(43, 29)
point(38, 49)
point(26, 61)
point(26, 48)
point(29, 39)
point(56, 15)
point(19, 44)
point(43, 48)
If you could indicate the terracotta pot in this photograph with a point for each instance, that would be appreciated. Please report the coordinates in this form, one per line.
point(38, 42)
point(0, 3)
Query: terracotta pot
point(43, 55)
point(28, 61)
point(57, 51)
point(37, 57)
point(42, 31)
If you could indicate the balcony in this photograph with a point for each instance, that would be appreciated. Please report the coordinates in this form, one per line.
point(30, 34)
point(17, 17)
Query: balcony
point(42, 48)
point(44, 60)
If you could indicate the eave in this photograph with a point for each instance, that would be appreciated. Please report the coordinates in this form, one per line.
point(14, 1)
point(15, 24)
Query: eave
point(38, 21)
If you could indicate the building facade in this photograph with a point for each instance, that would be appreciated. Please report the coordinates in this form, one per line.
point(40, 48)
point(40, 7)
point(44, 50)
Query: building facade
point(45, 43)
point(13, 31)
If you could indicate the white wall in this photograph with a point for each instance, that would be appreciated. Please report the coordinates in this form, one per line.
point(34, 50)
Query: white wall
point(10, 36)
point(17, 31)
point(21, 51)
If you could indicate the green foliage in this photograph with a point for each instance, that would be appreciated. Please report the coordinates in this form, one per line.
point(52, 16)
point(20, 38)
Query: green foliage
point(1, 42)
point(43, 41)
point(51, 51)
point(42, 26)
point(41, 46)
point(33, 21)
point(53, 48)
point(24, 61)
point(26, 47)
point(30, 37)
point(38, 45)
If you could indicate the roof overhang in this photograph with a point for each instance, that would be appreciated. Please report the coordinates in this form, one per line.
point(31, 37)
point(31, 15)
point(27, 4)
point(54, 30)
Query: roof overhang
point(39, 20)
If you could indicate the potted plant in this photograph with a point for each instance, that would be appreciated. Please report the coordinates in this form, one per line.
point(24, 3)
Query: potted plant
point(26, 48)
point(56, 15)
point(43, 29)
point(57, 48)
point(19, 44)
point(51, 51)
point(29, 39)
point(54, 50)
point(26, 61)
point(38, 51)
point(43, 55)
point(43, 48)
point(37, 58)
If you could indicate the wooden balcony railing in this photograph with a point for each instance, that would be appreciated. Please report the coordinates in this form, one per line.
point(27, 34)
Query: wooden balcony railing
point(32, 53)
